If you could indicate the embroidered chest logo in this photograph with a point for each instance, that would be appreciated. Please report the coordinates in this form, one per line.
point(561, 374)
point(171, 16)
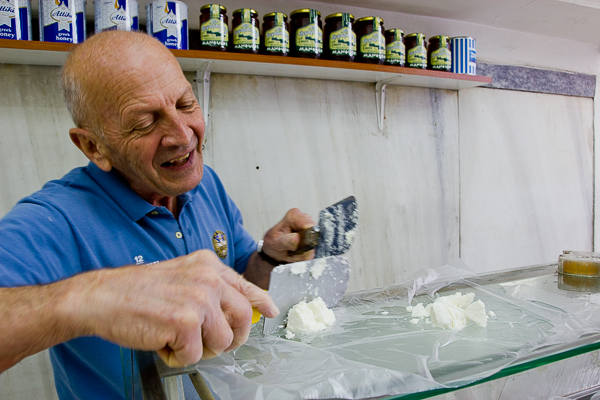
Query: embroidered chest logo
point(219, 241)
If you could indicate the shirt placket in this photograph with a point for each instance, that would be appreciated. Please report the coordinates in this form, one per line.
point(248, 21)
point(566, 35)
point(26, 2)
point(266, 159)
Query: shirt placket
point(175, 231)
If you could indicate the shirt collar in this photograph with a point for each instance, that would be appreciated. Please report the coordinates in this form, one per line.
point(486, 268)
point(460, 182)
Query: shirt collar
point(119, 190)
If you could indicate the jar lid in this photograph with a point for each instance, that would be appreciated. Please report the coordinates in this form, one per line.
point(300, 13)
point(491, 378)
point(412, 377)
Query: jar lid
point(421, 35)
point(208, 6)
point(273, 14)
point(439, 37)
point(369, 19)
point(395, 30)
point(302, 11)
point(239, 10)
point(339, 15)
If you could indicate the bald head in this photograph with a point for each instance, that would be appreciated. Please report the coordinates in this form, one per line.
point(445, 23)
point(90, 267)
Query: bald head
point(95, 71)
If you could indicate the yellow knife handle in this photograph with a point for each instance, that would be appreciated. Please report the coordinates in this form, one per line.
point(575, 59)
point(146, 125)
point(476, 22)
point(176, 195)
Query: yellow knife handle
point(255, 315)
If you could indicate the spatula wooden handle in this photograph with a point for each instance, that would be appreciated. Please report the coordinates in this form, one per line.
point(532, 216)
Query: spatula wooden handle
point(309, 239)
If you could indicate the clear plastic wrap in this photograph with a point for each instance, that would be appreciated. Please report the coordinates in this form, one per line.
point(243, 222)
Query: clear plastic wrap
point(374, 350)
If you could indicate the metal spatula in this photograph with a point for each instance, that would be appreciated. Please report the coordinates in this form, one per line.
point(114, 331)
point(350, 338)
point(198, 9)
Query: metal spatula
point(323, 277)
point(335, 232)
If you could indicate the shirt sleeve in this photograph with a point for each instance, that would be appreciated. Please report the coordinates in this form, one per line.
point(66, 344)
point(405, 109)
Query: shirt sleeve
point(37, 246)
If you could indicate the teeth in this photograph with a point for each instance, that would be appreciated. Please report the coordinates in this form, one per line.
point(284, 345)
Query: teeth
point(179, 161)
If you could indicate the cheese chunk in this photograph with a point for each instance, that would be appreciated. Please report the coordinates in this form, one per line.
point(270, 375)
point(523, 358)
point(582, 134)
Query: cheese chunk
point(452, 312)
point(309, 318)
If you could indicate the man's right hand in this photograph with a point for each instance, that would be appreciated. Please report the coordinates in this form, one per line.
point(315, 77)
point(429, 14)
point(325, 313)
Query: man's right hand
point(187, 308)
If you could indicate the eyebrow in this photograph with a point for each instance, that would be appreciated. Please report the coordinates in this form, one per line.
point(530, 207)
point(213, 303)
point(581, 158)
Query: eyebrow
point(129, 118)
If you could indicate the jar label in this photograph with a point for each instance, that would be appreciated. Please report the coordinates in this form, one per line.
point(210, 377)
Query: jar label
point(246, 37)
point(394, 52)
point(343, 42)
point(441, 59)
point(215, 11)
point(309, 39)
point(246, 15)
point(376, 23)
point(279, 21)
point(314, 16)
point(214, 32)
point(417, 57)
point(277, 40)
point(373, 45)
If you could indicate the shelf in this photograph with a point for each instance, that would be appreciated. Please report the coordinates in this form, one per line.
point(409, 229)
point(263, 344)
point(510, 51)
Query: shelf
point(55, 54)
point(204, 63)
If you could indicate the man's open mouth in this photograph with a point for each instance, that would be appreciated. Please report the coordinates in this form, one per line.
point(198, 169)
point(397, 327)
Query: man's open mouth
point(177, 162)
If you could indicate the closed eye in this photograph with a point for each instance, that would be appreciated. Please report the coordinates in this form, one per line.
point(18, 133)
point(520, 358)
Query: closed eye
point(187, 105)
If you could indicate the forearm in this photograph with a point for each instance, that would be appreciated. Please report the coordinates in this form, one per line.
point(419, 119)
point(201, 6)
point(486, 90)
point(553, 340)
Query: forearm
point(33, 318)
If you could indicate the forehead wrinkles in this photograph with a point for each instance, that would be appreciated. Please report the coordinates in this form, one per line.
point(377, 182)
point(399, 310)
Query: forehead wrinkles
point(138, 86)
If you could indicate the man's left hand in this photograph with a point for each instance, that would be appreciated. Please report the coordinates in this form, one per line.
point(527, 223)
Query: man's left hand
point(282, 240)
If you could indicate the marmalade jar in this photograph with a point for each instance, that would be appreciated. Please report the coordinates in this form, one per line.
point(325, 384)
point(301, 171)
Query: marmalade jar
point(306, 31)
point(416, 50)
point(214, 31)
point(339, 39)
point(245, 33)
point(371, 42)
point(394, 47)
point(276, 34)
point(439, 57)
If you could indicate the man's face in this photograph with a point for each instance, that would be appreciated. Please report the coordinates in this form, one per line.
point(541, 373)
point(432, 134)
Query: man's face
point(153, 129)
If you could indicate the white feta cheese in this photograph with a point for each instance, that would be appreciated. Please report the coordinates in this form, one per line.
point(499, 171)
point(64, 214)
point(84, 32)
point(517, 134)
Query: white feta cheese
point(452, 312)
point(318, 267)
point(310, 317)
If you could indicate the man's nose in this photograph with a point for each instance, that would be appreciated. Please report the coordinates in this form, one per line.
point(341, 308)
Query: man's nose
point(177, 132)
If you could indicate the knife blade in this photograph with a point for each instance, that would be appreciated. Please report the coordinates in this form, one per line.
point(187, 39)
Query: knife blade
point(306, 280)
point(335, 232)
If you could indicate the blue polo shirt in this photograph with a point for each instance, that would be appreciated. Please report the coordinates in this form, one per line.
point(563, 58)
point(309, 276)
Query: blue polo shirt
point(92, 219)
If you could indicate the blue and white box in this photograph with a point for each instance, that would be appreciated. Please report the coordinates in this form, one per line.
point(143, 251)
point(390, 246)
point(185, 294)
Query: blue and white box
point(168, 22)
point(15, 19)
point(117, 15)
point(464, 55)
point(62, 21)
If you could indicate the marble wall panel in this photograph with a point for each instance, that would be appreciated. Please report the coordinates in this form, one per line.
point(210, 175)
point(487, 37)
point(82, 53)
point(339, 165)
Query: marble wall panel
point(281, 143)
point(32, 378)
point(34, 140)
point(526, 177)
point(34, 148)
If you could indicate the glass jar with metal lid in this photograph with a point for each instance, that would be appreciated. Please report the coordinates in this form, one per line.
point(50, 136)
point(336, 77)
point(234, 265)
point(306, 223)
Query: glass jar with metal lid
point(214, 30)
point(339, 39)
point(371, 42)
point(394, 47)
point(416, 50)
point(306, 32)
point(276, 34)
point(439, 57)
point(245, 32)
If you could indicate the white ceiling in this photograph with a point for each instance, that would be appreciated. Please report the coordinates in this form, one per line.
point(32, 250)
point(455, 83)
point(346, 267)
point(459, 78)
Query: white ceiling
point(577, 20)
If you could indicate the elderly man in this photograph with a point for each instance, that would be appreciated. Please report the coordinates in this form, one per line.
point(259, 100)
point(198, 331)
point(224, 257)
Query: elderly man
point(146, 204)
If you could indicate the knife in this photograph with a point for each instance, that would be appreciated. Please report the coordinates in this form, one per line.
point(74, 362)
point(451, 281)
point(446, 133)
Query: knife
point(335, 232)
point(306, 280)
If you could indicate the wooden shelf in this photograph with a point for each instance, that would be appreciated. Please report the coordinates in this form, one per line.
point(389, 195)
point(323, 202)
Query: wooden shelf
point(55, 54)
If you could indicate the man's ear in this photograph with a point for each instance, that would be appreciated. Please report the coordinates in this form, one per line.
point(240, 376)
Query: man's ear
point(87, 142)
